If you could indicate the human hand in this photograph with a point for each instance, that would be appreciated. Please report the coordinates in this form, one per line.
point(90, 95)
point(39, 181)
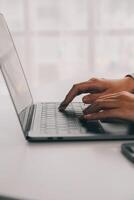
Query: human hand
point(97, 88)
point(118, 106)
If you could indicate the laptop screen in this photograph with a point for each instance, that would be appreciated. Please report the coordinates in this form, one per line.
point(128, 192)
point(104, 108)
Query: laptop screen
point(12, 70)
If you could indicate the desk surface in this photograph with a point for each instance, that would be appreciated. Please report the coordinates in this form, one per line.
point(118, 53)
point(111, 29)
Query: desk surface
point(60, 171)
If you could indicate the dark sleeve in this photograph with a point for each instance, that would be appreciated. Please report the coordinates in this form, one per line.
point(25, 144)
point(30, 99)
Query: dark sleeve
point(130, 75)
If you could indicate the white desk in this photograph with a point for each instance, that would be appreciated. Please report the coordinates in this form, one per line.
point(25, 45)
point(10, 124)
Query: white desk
point(60, 171)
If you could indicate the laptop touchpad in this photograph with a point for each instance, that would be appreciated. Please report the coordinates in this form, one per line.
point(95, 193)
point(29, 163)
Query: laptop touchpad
point(116, 127)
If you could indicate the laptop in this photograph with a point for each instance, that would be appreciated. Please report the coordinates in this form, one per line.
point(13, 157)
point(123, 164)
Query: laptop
point(43, 121)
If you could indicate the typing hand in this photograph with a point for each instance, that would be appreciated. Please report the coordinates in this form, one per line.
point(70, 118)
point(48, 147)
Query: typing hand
point(118, 105)
point(97, 88)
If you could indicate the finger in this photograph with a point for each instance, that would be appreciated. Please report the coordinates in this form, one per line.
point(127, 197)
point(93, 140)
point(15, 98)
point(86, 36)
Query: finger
point(89, 99)
point(110, 96)
point(78, 89)
point(101, 105)
point(107, 114)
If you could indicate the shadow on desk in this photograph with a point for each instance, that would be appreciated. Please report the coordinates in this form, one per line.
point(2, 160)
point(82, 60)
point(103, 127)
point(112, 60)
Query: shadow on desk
point(2, 197)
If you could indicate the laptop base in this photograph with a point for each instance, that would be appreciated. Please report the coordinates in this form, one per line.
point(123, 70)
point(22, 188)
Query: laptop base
point(48, 124)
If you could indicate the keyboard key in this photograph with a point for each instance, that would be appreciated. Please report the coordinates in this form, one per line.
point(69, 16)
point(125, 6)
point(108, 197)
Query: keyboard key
point(53, 121)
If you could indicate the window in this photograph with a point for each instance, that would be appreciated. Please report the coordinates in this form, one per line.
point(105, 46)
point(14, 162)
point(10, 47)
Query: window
point(72, 39)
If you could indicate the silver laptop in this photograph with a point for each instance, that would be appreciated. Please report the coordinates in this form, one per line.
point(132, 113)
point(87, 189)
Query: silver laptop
point(43, 121)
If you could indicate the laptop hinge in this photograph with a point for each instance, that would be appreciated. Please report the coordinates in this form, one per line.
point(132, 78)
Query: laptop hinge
point(25, 118)
point(29, 119)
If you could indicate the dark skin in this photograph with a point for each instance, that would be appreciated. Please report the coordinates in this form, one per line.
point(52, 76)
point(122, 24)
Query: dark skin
point(113, 98)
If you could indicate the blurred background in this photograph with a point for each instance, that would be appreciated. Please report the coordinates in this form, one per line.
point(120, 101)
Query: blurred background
point(68, 41)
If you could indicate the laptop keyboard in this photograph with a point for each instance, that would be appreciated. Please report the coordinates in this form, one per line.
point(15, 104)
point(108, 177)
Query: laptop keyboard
point(53, 121)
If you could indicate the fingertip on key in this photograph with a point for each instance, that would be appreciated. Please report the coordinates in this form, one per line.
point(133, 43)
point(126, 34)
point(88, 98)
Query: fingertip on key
point(61, 109)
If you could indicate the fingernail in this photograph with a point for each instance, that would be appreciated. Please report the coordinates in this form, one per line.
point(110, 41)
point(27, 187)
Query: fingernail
point(61, 108)
point(62, 104)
